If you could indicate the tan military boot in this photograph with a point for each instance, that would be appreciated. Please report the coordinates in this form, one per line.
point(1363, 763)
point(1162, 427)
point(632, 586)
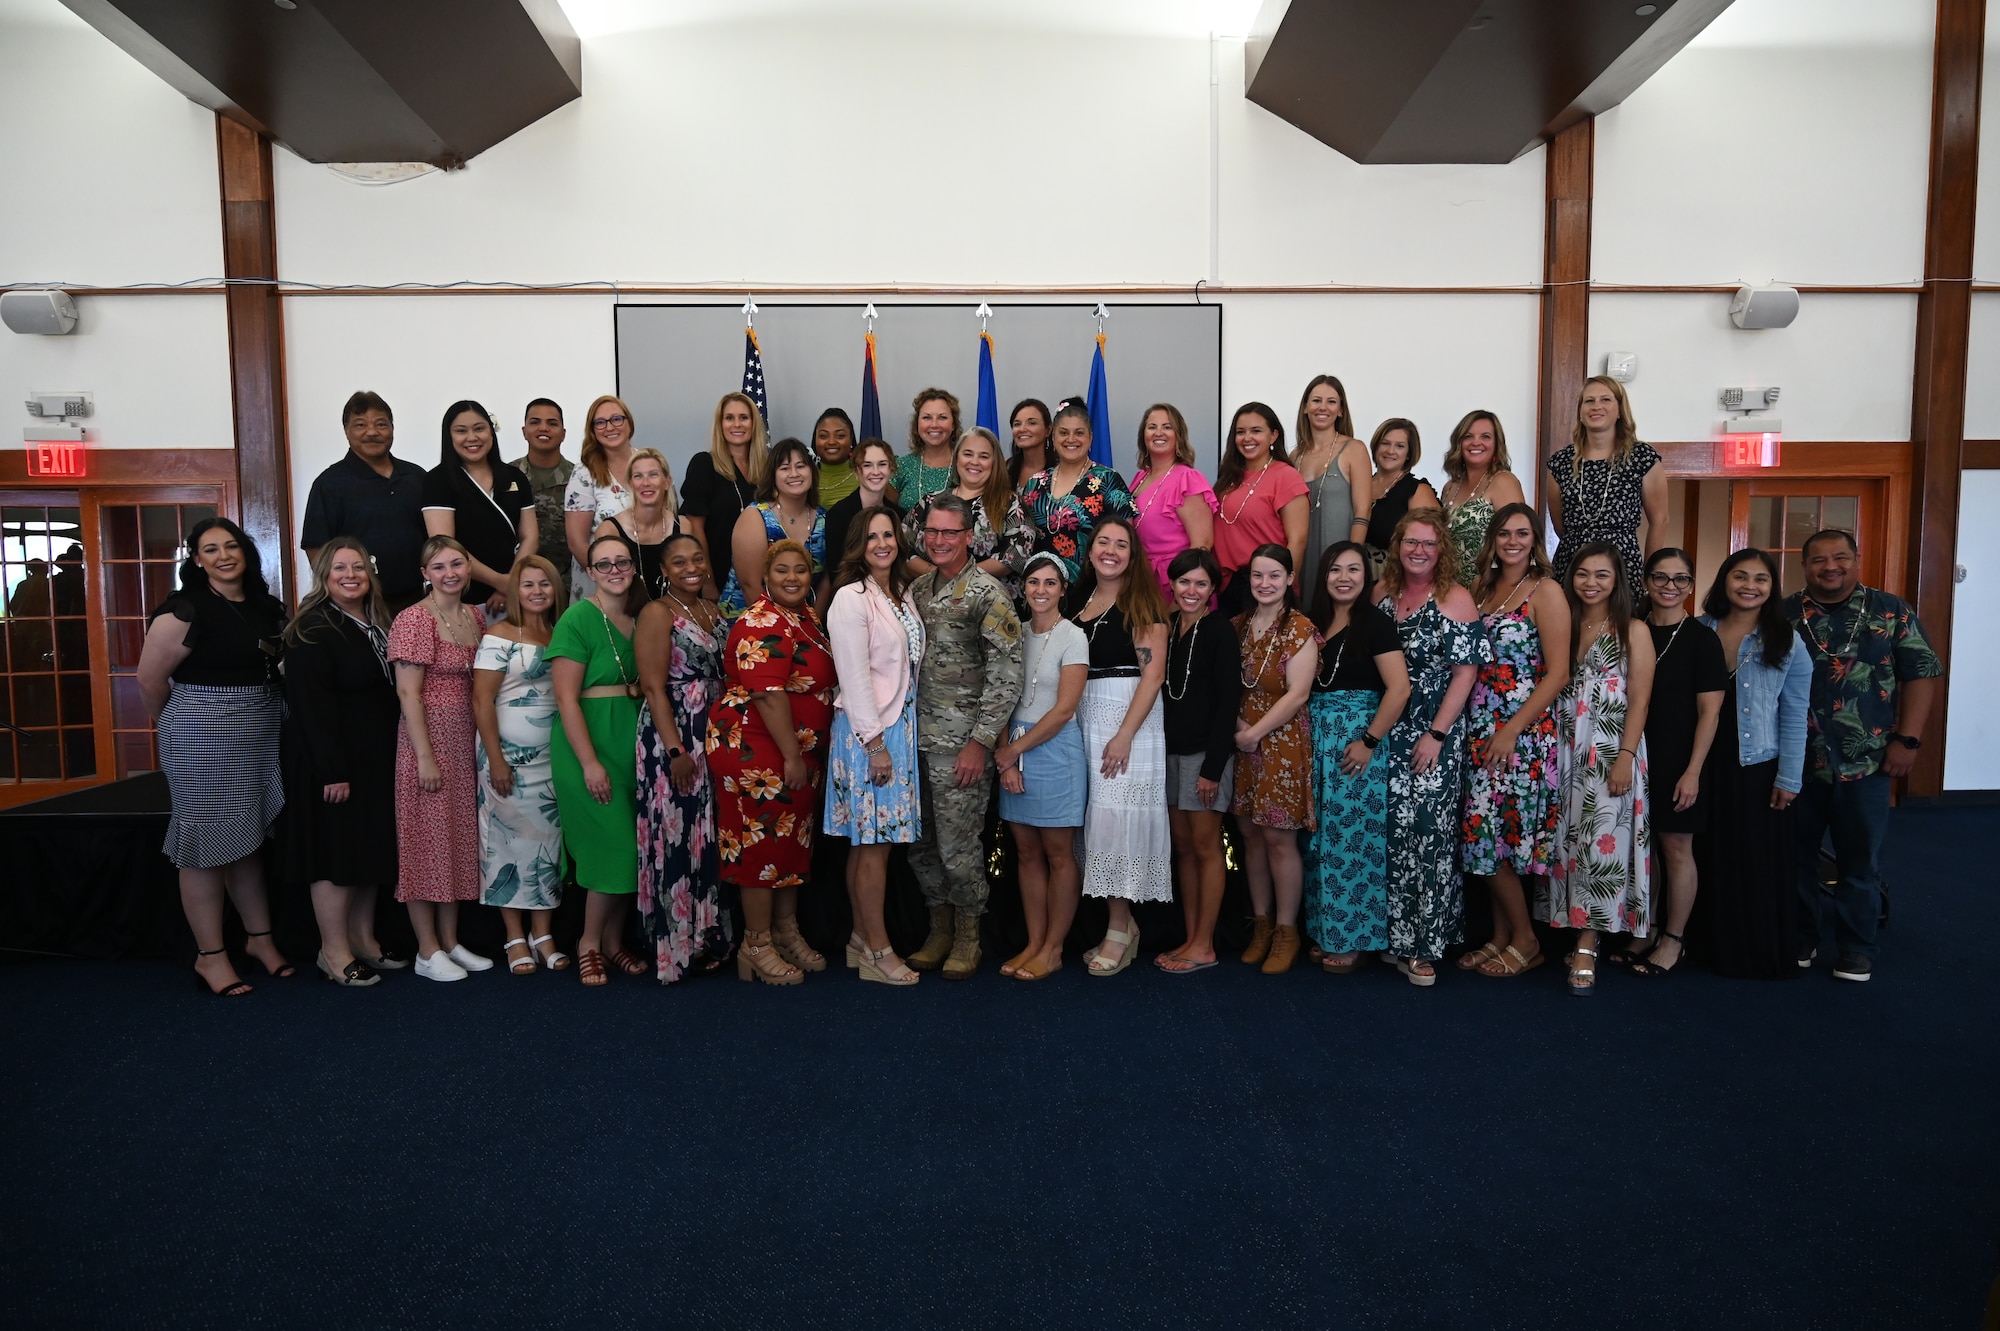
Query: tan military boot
point(927, 957)
point(964, 959)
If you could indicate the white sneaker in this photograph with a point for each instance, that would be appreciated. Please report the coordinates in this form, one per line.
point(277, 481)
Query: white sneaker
point(439, 966)
point(472, 961)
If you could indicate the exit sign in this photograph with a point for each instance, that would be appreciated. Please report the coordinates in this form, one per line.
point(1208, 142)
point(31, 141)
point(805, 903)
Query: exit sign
point(1746, 452)
point(56, 459)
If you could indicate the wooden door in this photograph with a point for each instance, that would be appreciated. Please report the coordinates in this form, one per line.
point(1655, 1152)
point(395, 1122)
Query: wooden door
point(1778, 515)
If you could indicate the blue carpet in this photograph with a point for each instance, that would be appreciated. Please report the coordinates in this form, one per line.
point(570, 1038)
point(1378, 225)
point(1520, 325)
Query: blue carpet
point(1220, 1149)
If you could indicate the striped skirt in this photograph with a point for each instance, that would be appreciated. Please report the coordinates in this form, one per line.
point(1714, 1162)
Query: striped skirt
point(219, 750)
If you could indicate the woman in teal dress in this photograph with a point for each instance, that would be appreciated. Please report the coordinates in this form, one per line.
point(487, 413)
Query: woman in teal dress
point(596, 672)
point(1359, 689)
point(1444, 645)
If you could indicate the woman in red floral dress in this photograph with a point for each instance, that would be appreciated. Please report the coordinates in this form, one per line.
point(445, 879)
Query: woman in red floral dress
point(767, 756)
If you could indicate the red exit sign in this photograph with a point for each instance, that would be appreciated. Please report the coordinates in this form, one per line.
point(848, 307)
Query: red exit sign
point(1743, 452)
point(56, 459)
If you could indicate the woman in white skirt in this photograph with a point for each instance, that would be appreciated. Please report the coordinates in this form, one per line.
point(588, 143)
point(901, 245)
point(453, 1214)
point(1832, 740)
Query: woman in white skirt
point(1128, 855)
point(208, 673)
point(1042, 780)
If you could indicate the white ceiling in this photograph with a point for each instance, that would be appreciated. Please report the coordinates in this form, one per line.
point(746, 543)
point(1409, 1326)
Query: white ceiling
point(1172, 18)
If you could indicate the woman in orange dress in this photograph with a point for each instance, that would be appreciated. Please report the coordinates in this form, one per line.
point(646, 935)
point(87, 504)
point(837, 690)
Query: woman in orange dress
point(1274, 789)
point(767, 756)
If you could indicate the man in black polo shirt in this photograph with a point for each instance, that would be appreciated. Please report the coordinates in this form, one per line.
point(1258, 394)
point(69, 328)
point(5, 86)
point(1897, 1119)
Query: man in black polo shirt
point(375, 498)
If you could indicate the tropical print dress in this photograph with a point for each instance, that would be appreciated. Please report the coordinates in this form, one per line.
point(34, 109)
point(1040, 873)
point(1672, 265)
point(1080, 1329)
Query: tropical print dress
point(1467, 528)
point(1274, 784)
point(774, 531)
point(680, 890)
point(764, 830)
point(1011, 545)
point(1347, 856)
point(1510, 814)
point(520, 837)
point(1064, 524)
point(1601, 876)
point(1426, 891)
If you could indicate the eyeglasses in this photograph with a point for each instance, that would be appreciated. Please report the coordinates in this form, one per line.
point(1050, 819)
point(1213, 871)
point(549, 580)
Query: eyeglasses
point(1680, 580)
point(944, 531)
point(605, 422)
point(612, 566)
point(1411, 543)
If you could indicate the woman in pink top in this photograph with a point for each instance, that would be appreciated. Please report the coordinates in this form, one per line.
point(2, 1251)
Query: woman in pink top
point(1260, 500)
point(1176, 504)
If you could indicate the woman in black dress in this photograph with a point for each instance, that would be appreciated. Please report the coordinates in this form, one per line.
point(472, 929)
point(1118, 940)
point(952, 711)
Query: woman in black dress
point(208, 674)
point(1688, 682)
point(1744, 926)
point(653, 520)
point(341, 769)
point(1396, 448)
point(485, 503)
point(1605, 481)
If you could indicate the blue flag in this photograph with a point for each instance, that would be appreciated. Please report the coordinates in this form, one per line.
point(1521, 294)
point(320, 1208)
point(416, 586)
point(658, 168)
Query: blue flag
point(1100, 408)
point(871, 402)
point(753, 374)
point(987, 414)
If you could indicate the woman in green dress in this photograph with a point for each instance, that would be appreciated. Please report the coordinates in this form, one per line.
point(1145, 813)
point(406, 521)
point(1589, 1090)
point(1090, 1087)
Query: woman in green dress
point(595, 754)
point(1480, 482)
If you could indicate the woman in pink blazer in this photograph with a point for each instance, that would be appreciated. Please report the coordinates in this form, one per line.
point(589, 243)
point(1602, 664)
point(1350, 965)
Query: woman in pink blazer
point(871, 773)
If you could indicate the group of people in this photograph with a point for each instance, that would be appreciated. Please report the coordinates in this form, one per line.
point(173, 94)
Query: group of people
point(507, 678)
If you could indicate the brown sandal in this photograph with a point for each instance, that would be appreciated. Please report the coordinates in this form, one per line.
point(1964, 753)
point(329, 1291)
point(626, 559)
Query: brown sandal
point(1500, 968)
point(1477, 960)
point(792, 946)
point(757, 959)
point(590, 968)
point(626, 962)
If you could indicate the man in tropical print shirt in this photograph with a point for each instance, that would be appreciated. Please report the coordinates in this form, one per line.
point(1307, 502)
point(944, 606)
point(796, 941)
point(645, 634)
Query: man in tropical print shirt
point(1874, 684)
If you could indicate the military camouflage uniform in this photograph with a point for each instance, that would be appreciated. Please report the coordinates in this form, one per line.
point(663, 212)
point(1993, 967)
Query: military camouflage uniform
point(967, 688)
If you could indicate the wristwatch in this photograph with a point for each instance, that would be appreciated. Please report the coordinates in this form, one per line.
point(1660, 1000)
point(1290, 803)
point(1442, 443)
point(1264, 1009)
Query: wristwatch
point(1907, 741)
point(1368, 741)
point(675, 752)
point(1438, 735)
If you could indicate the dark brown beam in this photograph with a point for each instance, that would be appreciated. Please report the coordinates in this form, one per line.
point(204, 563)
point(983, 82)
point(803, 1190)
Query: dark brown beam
point(256, 347)
point(1565, 292)
point(1944, 326)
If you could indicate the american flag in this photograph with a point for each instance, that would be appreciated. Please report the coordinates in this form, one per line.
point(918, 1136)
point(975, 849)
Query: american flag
point(753, 374)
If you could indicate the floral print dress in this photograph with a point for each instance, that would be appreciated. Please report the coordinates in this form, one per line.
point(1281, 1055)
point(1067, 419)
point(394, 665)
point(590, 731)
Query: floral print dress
point(1274, 784)
point(1510, 814)
point(1064, 524)
point(1601, 878)
point(1467, 528)
point(680, 890)
point(764, 830)
point(1426, 891)
point(1011, 546)
point(520, 836)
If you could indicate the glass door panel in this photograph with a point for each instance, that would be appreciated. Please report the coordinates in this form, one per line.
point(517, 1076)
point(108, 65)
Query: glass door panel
point(49, 735)
point(1779, 516)
point(142, 543)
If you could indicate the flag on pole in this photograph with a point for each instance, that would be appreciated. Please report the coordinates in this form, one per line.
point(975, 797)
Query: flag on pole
point(871, 401)
point(1100, 408)
point(987, 413)
point(753, 374)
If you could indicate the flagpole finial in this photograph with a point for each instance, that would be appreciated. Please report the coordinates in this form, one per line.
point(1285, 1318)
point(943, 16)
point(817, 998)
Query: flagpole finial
point(984, 312)
point(1101, 313)
point(749, 312)
point(868, 318)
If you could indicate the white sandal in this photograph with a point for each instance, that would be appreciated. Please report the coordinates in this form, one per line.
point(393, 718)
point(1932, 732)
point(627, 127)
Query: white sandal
point(1098, 966)
point(555, 961)
point(514, 967)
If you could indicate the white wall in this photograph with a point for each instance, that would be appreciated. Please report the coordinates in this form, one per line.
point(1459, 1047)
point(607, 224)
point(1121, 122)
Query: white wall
point(157, 368)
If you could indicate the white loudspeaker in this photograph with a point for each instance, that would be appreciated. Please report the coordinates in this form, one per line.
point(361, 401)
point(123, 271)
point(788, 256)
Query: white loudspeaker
point(42, 311)
point(1773, 306)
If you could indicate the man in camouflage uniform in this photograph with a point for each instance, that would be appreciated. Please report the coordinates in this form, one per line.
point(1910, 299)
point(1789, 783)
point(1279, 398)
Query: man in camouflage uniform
point(967, 688)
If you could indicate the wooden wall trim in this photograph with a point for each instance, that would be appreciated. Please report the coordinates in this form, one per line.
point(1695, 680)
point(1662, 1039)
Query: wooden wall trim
point(1944, 324)
point(129, 466)
point(1565, 328)
point(256, 341)
point(1981, 455)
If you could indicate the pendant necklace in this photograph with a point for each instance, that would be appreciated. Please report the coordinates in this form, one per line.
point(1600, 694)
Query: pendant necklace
point(1247, 497)
point(1826, 650)
point(1671, 640)
point(631, 682)
point(1187, 671)
point(1270, 647)
point(1325, 680)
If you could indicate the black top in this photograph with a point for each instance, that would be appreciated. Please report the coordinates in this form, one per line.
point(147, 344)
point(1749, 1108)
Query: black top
point(718, 501)
point(1203, 688)
point(231, 644)
point(1112, 654)
point(839, 518)
point(1389, 510)
point(384, 513)
point(1687, 659)
point(652, 558)
point(487, 525)
point(341, 696)
point(1348, 659)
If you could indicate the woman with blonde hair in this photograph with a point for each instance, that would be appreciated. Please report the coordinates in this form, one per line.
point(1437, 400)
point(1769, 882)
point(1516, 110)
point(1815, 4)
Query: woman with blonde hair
point(514, 706)
point(1480, 482)
point(926, 469)
point(1002, 536)
point(1335, 467)
point(597, 489)
point(652, 521)
point(722, 482)
point(1605, 481)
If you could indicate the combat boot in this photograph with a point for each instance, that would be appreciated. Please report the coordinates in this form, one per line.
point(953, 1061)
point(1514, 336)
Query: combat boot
point(964, 959)
point(927, 957)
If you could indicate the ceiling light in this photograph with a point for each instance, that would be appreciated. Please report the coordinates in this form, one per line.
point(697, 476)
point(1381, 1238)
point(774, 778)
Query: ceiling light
point(1643, 11)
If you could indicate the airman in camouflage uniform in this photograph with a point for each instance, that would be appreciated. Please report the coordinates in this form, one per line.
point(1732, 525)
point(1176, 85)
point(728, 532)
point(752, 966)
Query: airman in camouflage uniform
point(967, 688)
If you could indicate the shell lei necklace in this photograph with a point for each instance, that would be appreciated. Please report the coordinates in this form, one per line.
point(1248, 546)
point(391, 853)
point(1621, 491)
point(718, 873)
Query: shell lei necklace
point(1270, 636)
point(631, 682)
point(1325, 680)
point(1248, 495)
point(1187, 671)
point(1825, 647)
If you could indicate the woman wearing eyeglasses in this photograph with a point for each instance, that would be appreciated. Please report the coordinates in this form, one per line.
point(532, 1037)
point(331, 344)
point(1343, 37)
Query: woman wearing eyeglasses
point(1689, 677)
point(598, 489)
point(595, 665)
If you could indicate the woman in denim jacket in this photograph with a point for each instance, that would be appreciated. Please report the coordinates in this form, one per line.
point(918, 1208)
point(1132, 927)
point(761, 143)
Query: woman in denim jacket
point(1744, 924)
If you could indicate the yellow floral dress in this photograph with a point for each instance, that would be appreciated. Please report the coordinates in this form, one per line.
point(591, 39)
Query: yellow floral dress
point(1274, 784)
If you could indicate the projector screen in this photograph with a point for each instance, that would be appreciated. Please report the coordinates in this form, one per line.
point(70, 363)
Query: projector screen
point(675, 361)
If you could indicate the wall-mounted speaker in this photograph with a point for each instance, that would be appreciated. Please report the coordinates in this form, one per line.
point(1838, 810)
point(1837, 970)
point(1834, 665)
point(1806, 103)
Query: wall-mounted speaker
point(51, 313)
point(1773, 306)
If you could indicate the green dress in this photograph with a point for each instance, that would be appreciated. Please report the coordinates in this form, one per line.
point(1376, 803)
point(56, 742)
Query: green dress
point(1469, 522)
point(603, 839)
